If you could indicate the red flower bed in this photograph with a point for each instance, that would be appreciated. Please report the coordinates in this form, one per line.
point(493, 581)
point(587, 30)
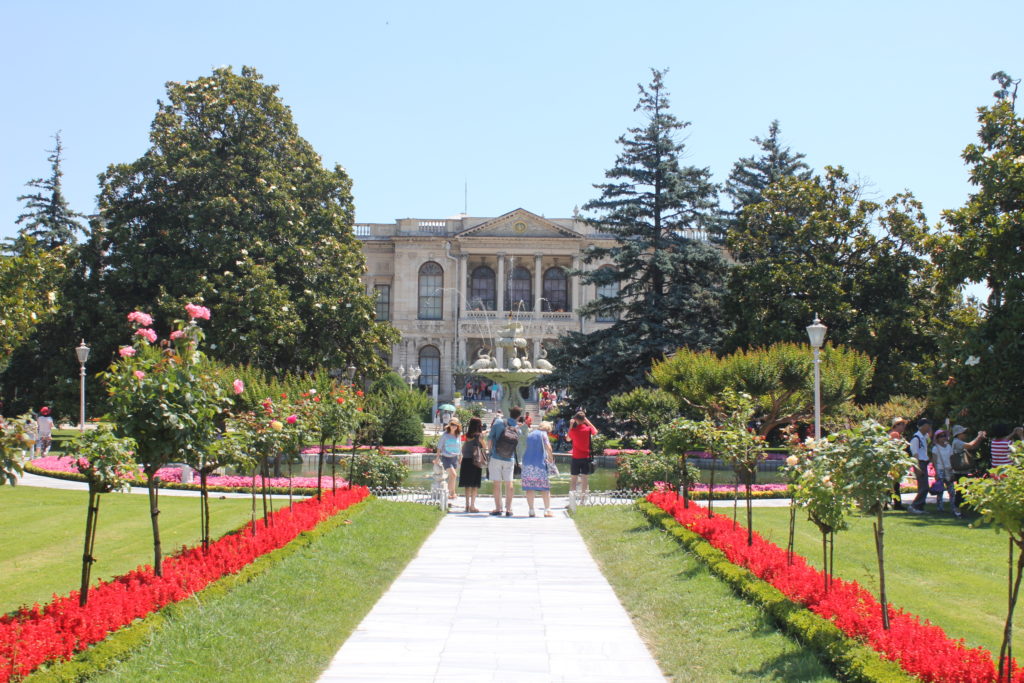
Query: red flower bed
point(61, 628)
point(920, 648)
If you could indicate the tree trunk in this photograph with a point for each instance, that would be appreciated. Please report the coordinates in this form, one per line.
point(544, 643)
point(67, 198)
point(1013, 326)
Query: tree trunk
point(686, 485)
point(263, 493)
point(831, 557)
point(204, 509)
point(824, 558)
point(154, 516)
point(320, 472)
point(711, 486)
point(1013, 584)
point(289, 480)
point(255, 469)
point(792, 530)
point(91, 515)
point(880, 551)
point(750, 516)
point(735, 495)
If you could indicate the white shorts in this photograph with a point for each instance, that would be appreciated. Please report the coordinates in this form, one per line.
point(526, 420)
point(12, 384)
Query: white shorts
point(500, 470)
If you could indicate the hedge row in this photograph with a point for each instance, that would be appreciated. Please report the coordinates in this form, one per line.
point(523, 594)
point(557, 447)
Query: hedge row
point(852, 660)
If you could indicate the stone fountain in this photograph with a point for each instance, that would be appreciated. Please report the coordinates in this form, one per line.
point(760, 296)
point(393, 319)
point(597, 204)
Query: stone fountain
point(520, 371)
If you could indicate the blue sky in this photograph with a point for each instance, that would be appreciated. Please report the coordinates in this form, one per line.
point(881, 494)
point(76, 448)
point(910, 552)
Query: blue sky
point(522, 101)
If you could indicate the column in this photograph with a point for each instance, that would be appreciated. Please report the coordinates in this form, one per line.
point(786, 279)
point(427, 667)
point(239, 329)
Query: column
point(463, 276)
point(499, 284)
point(444, 380)
point(536, 351)
point(576, 292)
point(537, 282)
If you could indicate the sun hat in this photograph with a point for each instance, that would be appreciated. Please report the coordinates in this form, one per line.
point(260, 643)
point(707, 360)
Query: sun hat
point(898, 421)
point(958, 430)
point(940, 433)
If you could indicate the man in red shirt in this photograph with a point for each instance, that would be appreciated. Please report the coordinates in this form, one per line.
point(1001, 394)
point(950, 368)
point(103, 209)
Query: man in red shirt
point(580, 432)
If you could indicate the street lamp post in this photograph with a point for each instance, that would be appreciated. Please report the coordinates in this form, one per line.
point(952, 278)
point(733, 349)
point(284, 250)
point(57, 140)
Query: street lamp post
point(82, 351)
point(816, 333)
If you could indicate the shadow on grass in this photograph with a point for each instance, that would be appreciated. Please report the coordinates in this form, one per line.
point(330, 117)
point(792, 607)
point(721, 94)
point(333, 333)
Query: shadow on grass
point(789, 666)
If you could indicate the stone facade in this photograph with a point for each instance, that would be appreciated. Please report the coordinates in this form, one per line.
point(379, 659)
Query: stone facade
point(437, 281)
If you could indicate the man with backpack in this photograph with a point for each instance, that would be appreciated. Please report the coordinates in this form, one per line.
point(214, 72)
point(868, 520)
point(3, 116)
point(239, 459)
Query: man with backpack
point(919, 449)
point(505, 440)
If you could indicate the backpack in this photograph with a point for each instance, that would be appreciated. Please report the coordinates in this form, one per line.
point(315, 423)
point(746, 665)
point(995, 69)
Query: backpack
point(507, 443)
point(474, 450)
point(961, 461)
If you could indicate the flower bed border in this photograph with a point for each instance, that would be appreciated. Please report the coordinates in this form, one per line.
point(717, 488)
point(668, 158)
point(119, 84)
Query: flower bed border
point(921, 648)
point(853, 660)
point(122, 644)
point(185, 581)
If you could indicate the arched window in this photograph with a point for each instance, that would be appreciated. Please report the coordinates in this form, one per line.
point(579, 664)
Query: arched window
point(431, 292)
point(556, 290)
point(430, 366)
point(482, 293)
point(519, 295)
point(610, 289)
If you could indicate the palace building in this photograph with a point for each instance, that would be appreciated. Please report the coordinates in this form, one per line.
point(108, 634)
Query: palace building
point(448, 284)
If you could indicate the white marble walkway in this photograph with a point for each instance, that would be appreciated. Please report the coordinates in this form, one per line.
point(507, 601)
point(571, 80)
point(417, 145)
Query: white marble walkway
point(498, 599)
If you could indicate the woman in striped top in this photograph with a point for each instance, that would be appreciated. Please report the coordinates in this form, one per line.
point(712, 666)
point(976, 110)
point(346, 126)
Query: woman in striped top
point(1002, 437)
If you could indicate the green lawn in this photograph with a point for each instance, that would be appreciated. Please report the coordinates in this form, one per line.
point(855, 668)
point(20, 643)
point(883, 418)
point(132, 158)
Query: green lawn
point(936, 567)
point(287, 623)
point(41, 532)
point(696, 627)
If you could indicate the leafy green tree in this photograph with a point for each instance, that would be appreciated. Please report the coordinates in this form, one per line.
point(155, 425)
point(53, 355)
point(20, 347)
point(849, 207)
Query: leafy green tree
point(669, 279)
point(751, 176)
point(231, 448)
point(983, 244)
point(647, 408)
point(30, 280)
point(817, 246)
point(15, 440)
point(107, 463)
point(48, 218)
point(400, 410)
point(1000, 499)
point(779, 379)
point(230, 206)
point(677, 439)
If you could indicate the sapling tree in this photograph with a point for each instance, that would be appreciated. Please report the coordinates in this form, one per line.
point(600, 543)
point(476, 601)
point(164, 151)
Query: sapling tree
point(14, 441)
point(233, 447)
point(820, 488)
point(108, 464)
point(646, 408)
point(871, 461)
point(1000, 500)
point(334, 417)
point(160, 396)
point(679, 438)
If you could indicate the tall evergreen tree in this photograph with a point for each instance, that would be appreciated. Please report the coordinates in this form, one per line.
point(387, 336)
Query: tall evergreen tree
point(669, 278)
point(751, 175)
point(48, 218)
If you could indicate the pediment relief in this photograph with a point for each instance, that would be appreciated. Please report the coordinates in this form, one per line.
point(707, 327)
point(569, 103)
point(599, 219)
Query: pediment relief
point(518, 224)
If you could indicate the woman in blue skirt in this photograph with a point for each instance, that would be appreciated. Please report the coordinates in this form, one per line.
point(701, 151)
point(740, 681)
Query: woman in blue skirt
point(536, 460)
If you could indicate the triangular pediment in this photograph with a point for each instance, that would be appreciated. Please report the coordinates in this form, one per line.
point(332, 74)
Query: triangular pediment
point(520, 223)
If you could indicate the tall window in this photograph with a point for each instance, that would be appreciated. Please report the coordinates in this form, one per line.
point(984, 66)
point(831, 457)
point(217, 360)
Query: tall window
point(519, 295)
point(430, 366)
point(610, 289)
point(431, 292)
point(383, 302)
point(482, 293)
point(556, 290)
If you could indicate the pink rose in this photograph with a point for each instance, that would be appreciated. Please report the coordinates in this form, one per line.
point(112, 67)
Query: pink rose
point(146, 333)
point(139, 374)
point(197, 312)
point(126, 351)
point(292, 419)
point(140, 318)
point(238, 385)
point(177, 334)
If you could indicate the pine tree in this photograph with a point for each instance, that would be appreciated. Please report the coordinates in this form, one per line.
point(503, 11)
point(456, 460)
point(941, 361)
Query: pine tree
point(48, 218)
point(669, 278)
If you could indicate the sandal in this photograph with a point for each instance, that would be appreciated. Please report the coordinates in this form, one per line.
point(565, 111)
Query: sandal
point(547, 513)
point(495, 513)
point(473, 510)
point(508, 513)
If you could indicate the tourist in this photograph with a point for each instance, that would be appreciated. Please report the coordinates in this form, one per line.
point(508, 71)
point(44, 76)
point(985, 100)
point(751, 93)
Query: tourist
point(580, 432)
point(561, 431)
point(44, 431)
point(536, 459)
point(899, 425)
point(498, 415)
point(1002, 439)
point(964, 463)
point(449, 451)
point(504, 437)
point(942, 453)
point(470, 473)
point(919, 450)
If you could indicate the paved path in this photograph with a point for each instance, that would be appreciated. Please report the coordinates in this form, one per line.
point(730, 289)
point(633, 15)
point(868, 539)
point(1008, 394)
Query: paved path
point(498, 599)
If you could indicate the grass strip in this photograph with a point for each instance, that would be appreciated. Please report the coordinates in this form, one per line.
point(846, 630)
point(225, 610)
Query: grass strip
point(852, 660)
point(285, 618)
point(697, 629)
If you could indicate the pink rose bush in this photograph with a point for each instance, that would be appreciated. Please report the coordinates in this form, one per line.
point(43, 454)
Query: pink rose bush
point(196, 312)
point(238, 385)
point(140, 318)
point(147, 334)
point(126, 351)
